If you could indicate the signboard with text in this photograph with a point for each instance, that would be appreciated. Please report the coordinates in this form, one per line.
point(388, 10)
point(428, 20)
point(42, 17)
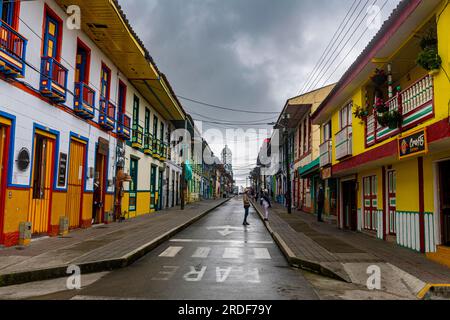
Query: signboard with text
point(413, 144)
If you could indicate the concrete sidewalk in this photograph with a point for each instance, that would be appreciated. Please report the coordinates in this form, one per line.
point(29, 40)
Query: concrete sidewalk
point(346, 255)
point(97, 249)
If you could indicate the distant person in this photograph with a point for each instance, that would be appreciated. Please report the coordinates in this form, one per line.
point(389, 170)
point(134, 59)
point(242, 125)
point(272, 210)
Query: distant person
point(246, 200)
point(265, 200)
point(320, 203)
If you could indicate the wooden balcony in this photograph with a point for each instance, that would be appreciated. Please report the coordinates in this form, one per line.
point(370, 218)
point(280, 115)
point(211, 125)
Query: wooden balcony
point(123, 126)
point(13, 47)
point(415, 105)
point(163, 151)
point(148, 141)
point(156, 148)
point(107, 118)
point(53, 82)
point(325, 153)
point(344, 143)
point(84, 101)
point(137, 139)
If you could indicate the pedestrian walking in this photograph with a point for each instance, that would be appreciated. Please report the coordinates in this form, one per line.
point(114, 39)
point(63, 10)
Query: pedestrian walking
point(320, 203)
point(246, 207)
point(266, 204)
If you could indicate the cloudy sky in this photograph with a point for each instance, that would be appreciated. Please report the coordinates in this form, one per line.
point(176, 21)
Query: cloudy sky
point(250, 55)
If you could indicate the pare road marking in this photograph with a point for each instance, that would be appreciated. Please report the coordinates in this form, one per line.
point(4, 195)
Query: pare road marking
point(218, 274)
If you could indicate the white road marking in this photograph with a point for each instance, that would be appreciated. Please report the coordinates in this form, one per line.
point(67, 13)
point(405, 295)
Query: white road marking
point(167, 273)
point(195, 275)
point(221, 241)
point(201, 253)
point(227, 230)
point(262, 254)
point(232, 253)
point(171, 252)
point(222, 274)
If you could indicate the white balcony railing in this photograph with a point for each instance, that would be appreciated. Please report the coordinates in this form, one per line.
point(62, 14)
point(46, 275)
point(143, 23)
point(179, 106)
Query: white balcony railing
point(344, 143)
point(415, 104)
point(325, 153)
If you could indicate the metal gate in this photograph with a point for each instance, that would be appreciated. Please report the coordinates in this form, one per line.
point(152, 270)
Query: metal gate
point(392, 201)
point(41, 191)
point(75, 183)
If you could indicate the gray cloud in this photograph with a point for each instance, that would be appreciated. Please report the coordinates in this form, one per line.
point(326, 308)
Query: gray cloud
point(252, 53)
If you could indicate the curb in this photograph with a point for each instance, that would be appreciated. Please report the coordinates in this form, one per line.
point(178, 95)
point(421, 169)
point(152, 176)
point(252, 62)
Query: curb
point(434, 290)
point(293, 260)
point(102, 265)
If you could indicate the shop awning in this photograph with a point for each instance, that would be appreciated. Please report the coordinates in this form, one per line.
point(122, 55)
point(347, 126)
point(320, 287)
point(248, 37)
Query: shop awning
point(310, 168)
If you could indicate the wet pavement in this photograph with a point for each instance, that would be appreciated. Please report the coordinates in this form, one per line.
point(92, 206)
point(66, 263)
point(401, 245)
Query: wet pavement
point(215, 258)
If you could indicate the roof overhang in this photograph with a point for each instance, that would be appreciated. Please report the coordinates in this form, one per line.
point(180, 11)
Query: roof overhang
point(106, 25)
point(396, 31)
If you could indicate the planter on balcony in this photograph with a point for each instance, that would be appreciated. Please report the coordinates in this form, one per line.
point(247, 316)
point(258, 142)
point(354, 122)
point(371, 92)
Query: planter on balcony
point(123, 126)
point(84, 101)
point(138, 137)
point(107, 114)
point(53, 82)
point(12, 51)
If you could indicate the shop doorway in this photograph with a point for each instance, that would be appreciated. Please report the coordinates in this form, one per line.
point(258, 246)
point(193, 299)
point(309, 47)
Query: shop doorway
point(370, 204)
point(392, 201)
point(160, 190)
point(98, 208)
point(349, 205)
point(42, 186)
point(444, 181)
point(3, 176)
point(75, 187)
point(153, 194)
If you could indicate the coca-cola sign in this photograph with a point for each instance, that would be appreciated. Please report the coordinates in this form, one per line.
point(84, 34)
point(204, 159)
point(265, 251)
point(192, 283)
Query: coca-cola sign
point(413, 144)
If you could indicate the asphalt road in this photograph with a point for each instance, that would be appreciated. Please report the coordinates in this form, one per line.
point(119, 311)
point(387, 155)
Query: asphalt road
point(216, 258)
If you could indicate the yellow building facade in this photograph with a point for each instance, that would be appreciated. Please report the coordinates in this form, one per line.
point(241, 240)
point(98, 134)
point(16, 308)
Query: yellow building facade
point(385, 133)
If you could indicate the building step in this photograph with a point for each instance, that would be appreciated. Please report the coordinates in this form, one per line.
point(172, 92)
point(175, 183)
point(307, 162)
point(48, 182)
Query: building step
point(442, 256)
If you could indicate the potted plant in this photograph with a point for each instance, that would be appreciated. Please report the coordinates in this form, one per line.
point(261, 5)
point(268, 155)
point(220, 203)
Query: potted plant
point(380, 106)
point(361, 112)
point(394, 119)
point(391, 119)
point(379, 78)
point(430, 60)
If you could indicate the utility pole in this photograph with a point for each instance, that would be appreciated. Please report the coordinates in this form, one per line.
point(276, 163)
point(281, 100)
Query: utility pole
point(288, 172)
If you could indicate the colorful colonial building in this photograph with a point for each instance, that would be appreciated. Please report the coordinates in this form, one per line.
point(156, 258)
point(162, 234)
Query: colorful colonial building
point(76, 105)
point(386, 134)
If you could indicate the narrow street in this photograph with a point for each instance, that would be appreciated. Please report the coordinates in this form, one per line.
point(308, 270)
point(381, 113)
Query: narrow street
point(214, 259)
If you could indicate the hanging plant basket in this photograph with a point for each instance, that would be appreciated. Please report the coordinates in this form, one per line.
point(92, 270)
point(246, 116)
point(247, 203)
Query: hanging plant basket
point(379, 78)
point(429, 59)
point(392, 119)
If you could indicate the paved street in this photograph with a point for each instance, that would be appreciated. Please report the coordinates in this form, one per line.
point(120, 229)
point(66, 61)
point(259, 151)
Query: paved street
point(216, 258)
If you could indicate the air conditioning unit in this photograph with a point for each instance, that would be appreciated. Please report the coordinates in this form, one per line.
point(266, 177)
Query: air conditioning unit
point(25, 233)
point(63, 226)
